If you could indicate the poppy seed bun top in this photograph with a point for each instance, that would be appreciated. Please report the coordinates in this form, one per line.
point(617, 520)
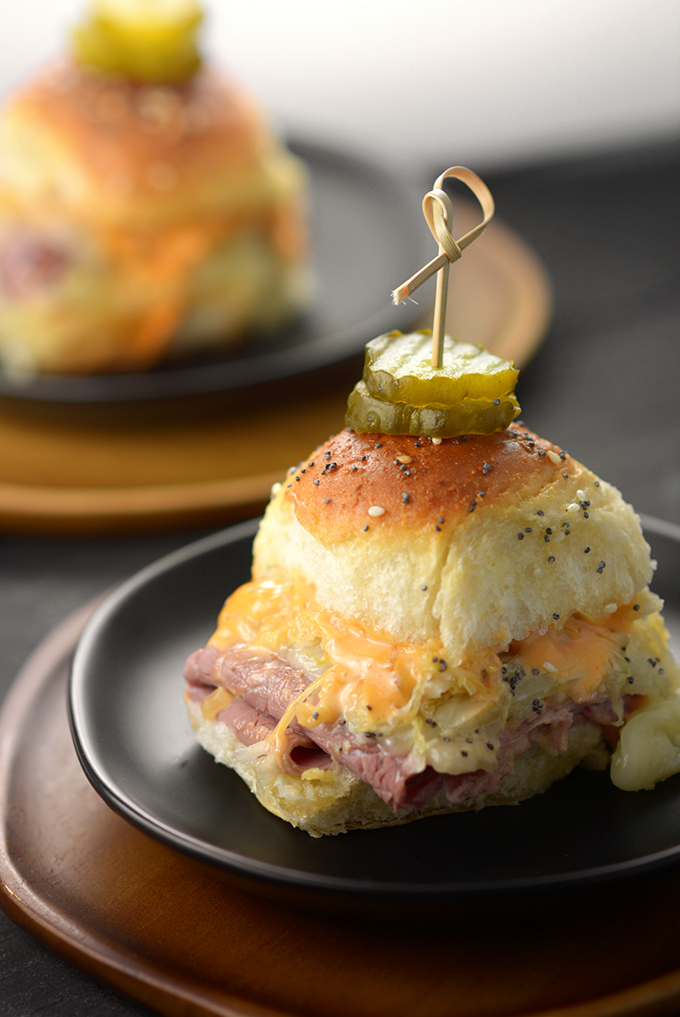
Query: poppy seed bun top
point(474, 540)
point(100, 147)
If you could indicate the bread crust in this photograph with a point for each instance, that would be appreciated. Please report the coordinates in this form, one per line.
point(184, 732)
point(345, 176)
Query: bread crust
point(547, 539)
point(139, 153)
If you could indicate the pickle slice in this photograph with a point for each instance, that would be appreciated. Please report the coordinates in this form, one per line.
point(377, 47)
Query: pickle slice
point(147, 40)
point(470, 416)
point(398, 369)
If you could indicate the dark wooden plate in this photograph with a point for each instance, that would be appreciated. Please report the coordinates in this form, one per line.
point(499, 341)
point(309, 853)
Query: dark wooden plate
point(169, 931)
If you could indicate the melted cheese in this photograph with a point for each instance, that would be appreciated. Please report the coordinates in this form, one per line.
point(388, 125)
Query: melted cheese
point(579, 652)
point(216, 701)
point(448, 717)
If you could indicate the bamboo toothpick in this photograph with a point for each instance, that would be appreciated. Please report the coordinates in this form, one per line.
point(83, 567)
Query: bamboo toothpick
point(438, 212)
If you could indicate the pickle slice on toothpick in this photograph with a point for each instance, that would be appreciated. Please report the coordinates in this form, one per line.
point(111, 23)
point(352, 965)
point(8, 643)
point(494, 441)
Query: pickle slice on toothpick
point(146, 40)
point(365, 413)
point(399, 368)
point(427, 383)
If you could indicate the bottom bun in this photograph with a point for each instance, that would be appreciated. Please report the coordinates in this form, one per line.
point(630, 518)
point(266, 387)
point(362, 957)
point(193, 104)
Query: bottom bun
point(332, 801)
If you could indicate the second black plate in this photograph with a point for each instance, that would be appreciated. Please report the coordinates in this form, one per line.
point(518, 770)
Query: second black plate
point(136, 746)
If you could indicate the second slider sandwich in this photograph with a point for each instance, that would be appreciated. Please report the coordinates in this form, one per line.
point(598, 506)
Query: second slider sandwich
point(435, 624)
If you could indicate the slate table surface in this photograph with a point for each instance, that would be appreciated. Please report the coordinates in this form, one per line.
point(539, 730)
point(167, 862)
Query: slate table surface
point(604, 385)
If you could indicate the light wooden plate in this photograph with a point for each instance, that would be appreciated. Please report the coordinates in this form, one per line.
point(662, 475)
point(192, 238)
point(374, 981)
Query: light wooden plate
point(116, 468)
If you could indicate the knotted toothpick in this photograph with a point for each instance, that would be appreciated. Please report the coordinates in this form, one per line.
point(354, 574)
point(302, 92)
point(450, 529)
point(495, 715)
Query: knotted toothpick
point(438, 212)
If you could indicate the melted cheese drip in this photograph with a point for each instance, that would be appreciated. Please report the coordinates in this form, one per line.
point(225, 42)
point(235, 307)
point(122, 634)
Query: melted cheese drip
point(396, 690)
point(579, 653)
point(216, 701)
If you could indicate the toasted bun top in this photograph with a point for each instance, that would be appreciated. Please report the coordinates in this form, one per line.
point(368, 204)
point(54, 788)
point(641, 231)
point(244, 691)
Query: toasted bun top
point(476, 541)
point(116, 148)
point(419, 484)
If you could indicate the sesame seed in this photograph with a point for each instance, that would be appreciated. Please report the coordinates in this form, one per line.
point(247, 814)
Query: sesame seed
point(404, 459)
point(553, 457)
point(376, 510)
point(581, 494)
point(436, 441)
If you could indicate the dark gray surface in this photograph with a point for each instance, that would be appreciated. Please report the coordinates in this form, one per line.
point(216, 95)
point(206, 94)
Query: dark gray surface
point(605, 386)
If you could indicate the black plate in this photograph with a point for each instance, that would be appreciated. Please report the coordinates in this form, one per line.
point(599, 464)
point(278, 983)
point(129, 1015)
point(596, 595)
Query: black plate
point(136, 747)
point(368, 235)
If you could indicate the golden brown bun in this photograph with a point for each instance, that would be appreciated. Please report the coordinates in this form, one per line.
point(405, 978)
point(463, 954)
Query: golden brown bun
point(130, 153)
point(338, 801)
point(482, 540)
point(178, 216)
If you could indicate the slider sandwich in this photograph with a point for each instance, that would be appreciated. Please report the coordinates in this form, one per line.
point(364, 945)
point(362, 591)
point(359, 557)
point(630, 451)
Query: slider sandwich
point(147, 209)
point(437, 623)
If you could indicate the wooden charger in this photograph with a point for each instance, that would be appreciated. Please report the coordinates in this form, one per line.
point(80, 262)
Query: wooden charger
point(174, 934)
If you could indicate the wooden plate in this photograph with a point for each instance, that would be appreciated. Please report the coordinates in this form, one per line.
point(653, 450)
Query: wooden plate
point(210, 460)
point(165, 928)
